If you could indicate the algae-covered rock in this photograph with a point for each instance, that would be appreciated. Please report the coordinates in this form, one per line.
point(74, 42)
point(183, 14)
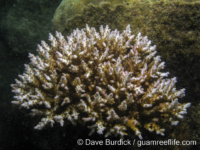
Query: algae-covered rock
point(71, 8)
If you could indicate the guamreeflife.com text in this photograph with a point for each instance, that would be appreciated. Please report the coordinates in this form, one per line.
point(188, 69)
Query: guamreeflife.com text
point(139, 143)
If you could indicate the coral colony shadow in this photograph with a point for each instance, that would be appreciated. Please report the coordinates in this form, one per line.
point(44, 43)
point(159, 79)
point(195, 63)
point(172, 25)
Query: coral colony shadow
point(108, 80)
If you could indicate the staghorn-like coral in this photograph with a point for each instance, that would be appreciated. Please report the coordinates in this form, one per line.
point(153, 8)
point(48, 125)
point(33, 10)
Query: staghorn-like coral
point(101, 79)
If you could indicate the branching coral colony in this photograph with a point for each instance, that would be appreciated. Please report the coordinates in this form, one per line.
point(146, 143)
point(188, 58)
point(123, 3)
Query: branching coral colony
point(100, 79)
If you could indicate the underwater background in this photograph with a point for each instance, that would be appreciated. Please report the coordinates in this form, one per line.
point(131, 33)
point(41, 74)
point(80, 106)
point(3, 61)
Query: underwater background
point(174, 26)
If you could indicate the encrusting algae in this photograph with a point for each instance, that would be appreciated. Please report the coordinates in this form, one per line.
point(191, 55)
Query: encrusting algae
point(107, 80)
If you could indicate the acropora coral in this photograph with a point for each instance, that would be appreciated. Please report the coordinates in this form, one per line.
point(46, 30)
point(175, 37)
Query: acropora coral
point(108, 80)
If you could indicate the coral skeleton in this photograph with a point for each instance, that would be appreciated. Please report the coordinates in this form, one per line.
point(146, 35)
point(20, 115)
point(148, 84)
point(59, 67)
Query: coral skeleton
point(108, 80)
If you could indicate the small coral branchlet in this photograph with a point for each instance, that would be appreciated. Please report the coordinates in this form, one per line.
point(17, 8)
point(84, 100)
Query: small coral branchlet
point(110, 80)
